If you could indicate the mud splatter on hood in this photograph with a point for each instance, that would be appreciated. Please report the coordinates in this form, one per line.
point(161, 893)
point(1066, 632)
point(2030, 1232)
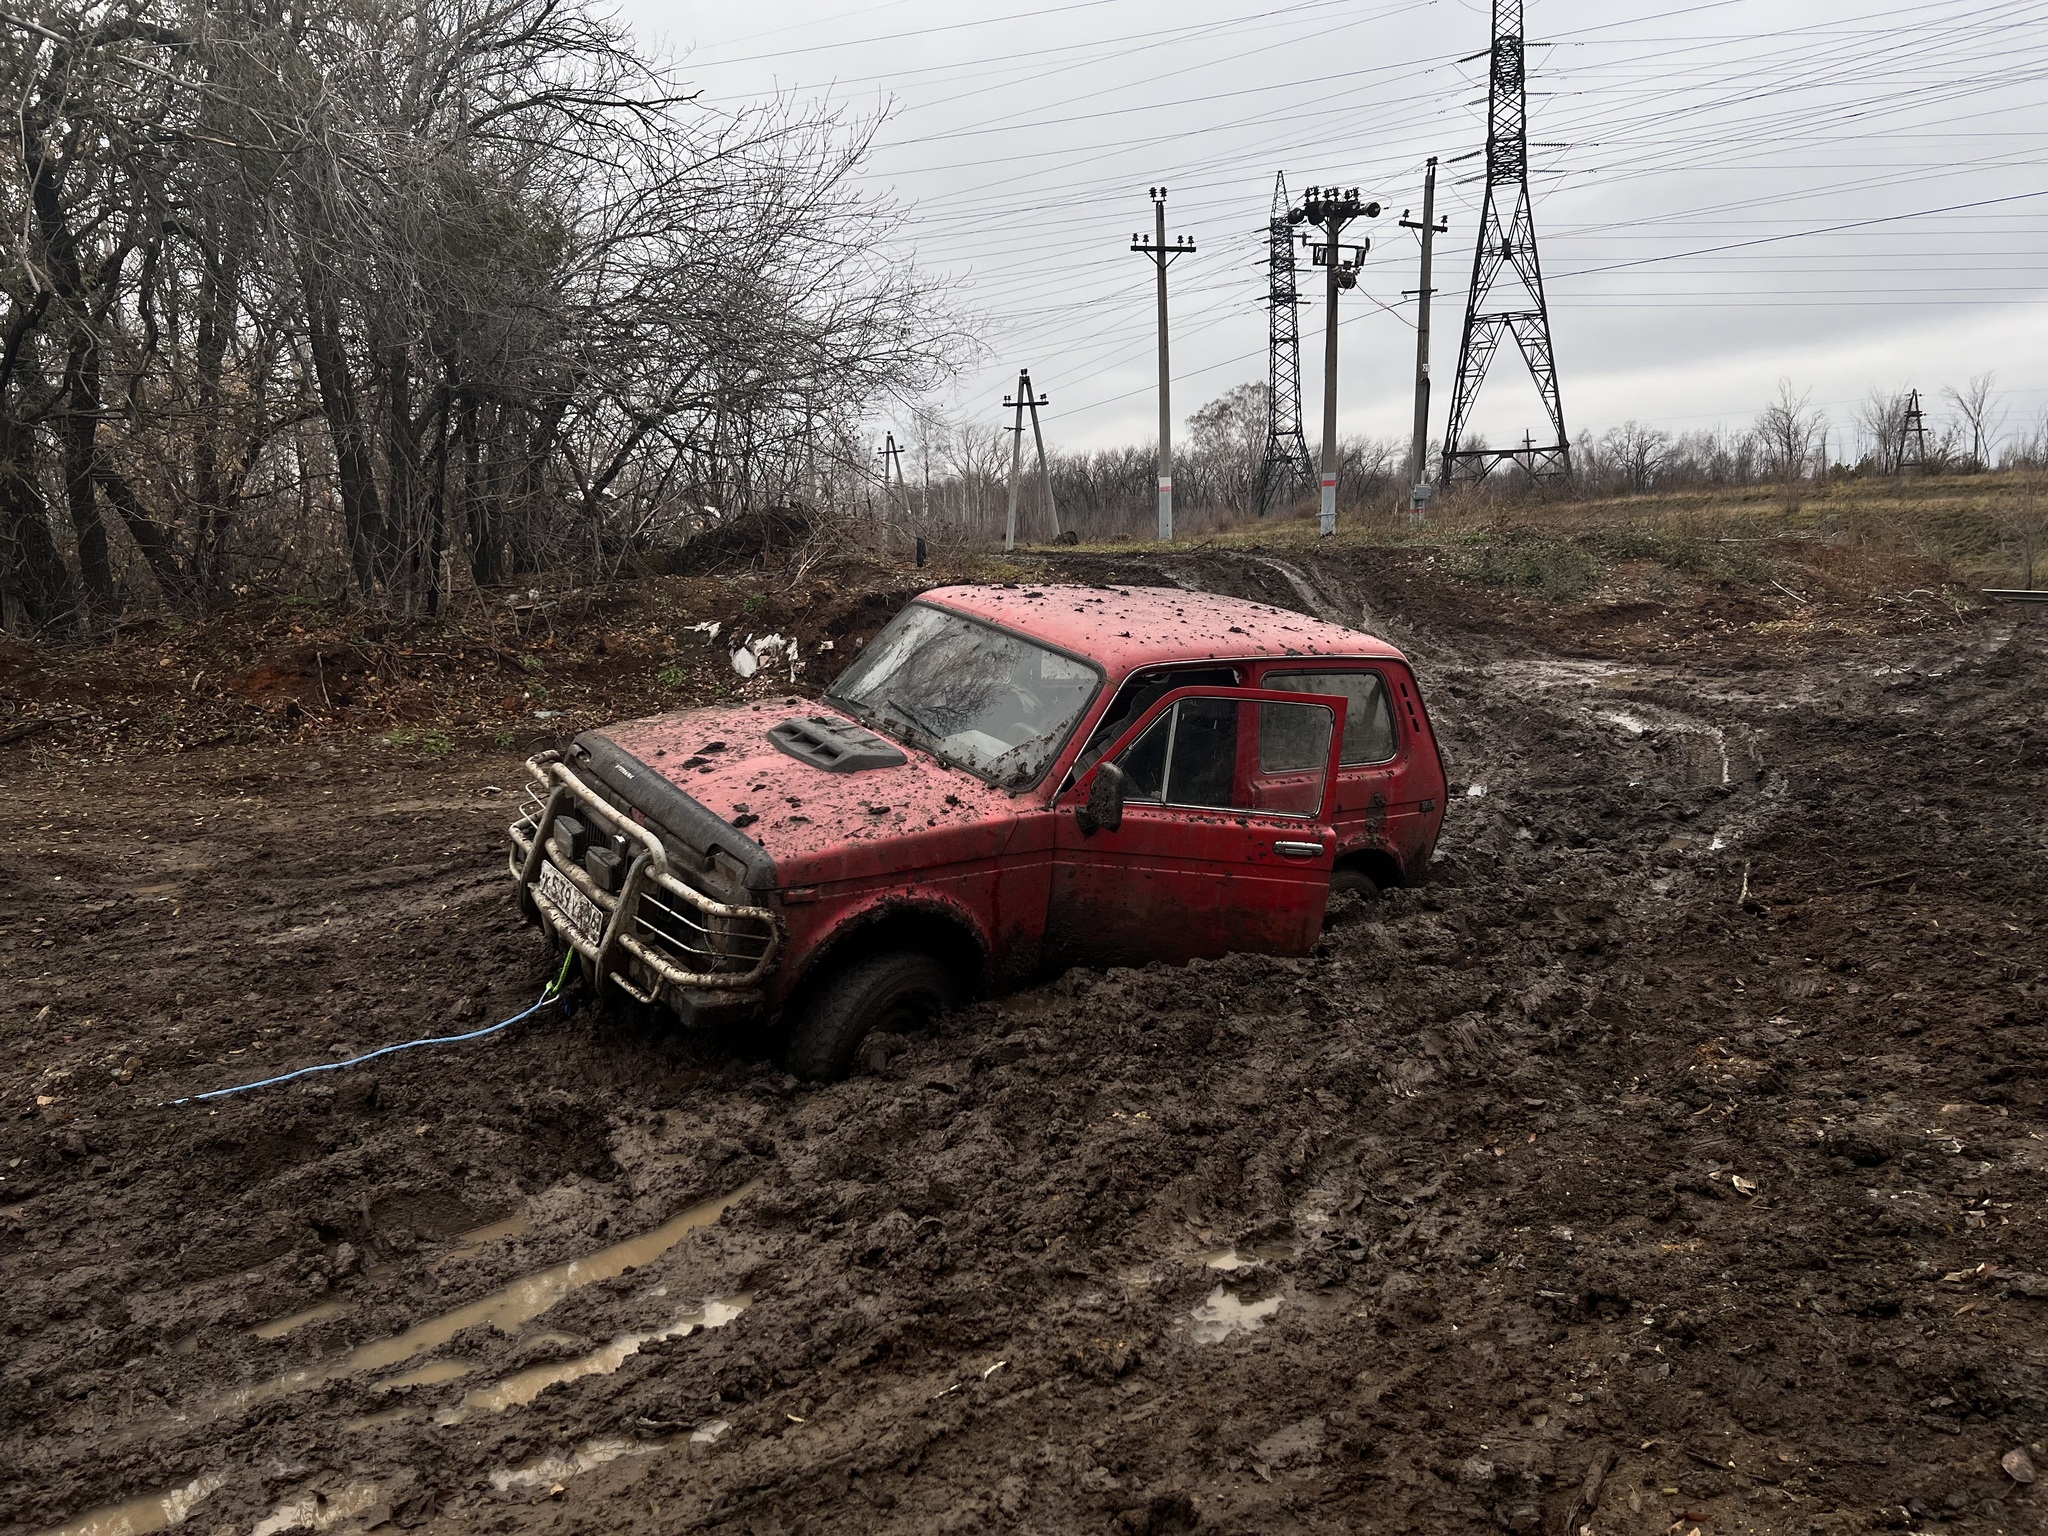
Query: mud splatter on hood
point(816, 824)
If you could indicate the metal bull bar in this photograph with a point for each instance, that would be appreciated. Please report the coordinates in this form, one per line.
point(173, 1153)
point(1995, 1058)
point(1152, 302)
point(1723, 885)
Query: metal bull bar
point(648, 879)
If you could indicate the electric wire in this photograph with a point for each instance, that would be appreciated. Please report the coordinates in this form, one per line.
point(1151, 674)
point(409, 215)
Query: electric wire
point(1654, 109)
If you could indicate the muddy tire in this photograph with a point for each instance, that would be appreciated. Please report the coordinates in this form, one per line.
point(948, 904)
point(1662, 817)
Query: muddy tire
point(1357, 881)
point(899, 992)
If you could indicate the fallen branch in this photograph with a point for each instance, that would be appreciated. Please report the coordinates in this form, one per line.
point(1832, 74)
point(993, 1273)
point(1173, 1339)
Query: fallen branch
point(15, 733)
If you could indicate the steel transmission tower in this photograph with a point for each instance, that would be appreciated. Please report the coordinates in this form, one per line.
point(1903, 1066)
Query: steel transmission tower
point(1287, 464)
point(1506, 242)
point(1912, 439)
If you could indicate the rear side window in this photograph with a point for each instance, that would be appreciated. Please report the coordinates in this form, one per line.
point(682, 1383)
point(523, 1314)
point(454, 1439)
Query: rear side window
point(1368, 720)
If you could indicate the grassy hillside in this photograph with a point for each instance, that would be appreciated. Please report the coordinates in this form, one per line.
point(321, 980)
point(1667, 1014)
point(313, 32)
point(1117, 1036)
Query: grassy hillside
point(1945, 535)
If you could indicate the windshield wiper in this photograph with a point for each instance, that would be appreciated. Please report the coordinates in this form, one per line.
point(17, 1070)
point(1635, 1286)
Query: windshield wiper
point(910, 717)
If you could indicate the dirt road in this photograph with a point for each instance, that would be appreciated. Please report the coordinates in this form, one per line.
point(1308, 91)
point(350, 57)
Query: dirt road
point(1674, 1159)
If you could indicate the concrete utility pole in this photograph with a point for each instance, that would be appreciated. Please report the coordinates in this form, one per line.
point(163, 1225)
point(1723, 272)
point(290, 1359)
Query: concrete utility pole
point(891, 455)
point(1026, 401)
point(1162, 255)
point(1430, 228)
point(1052, 512)
point(1332, 210)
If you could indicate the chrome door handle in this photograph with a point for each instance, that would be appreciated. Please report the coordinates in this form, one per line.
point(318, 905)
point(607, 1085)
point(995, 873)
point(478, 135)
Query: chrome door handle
point(1298, 850)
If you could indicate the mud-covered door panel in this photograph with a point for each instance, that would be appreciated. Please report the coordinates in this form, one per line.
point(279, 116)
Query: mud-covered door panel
point(1222, 841)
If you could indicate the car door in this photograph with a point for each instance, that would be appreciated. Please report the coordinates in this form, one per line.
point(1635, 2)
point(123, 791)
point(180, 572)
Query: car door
point(1225, 839)
point(1375, 803)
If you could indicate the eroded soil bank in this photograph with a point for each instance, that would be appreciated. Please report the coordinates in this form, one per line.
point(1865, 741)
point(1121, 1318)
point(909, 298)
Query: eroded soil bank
point(1676, 1155)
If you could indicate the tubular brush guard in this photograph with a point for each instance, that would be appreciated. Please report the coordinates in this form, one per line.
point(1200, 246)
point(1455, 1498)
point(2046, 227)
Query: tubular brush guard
point(656, 920)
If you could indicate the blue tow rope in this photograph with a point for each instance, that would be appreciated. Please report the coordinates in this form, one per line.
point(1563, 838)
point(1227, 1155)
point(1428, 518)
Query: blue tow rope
point(553, 991)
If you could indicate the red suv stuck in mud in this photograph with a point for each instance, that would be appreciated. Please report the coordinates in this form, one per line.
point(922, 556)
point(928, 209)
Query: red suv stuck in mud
point(1007, 781)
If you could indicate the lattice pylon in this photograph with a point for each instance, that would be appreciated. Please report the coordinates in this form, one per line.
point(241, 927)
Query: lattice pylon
point(1506, 244)
point(1286, 465)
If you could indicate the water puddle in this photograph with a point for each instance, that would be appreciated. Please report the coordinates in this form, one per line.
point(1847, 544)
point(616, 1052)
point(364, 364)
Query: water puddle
point(523, 1387)
point(432, 1374)
point(505, 1309)
point(1222, 1316)
point(469, 1244)
point(139, 1517)
point(278, 1327)
point(552, 1469)
point(318, 1511)
point(1232, 1258)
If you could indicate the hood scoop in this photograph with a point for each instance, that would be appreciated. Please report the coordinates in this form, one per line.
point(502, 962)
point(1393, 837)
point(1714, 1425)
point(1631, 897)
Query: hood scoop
point(837, 746)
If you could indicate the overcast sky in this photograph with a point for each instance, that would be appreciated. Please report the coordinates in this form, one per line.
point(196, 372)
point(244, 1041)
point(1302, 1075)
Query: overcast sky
point(1695, 166)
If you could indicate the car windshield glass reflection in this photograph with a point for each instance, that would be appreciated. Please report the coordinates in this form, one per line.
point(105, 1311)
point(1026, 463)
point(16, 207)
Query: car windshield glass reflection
point(990, 701)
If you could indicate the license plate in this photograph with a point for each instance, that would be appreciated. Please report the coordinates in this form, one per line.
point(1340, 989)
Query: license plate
point(584, 915)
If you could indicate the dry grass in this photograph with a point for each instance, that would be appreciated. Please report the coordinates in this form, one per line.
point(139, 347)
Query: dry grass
point(1952, 532)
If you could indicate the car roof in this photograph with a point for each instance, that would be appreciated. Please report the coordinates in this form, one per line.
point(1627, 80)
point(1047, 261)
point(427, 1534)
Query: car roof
point(1125, 628)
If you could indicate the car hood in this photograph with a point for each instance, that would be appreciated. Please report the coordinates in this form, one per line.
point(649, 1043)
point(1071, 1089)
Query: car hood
point(818, 825)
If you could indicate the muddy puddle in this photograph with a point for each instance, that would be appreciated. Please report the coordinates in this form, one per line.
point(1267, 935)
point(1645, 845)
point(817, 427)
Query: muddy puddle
point(1223, 1316)
point(141, 1516)
point(320, 1511)
point(469, 1244)
point(278, 1327)
point(505, 1309)
point(1228, 1259)
point(559, 1467)
point(432, 1374)
point(523, 1387)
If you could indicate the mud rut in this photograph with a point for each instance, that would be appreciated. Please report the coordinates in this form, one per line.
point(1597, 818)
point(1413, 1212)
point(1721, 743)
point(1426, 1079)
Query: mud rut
point(1676, 1154)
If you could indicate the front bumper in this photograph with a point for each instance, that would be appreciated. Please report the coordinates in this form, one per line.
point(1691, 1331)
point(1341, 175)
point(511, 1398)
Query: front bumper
point(662, 939)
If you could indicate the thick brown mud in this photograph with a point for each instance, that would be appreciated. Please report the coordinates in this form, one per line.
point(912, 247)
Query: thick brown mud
point(1674, 1158)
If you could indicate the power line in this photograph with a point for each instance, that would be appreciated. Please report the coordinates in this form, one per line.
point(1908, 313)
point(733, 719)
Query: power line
point(1800, 234)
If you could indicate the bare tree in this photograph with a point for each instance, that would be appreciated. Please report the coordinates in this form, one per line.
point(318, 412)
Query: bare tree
point(2028, 450)
point(538, 305)
point(1979, 416)
point(1792, 433)
point(1637, 452)
point(1882, 418)
point(1227, 443)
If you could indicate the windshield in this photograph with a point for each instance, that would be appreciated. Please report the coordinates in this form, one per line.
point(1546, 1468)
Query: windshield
point(980, 697)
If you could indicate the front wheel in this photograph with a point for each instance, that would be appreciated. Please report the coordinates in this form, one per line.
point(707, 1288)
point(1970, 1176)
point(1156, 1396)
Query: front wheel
point(897, 992)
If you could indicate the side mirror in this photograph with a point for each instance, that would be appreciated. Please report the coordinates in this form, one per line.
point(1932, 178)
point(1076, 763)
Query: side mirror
point(1104, 811)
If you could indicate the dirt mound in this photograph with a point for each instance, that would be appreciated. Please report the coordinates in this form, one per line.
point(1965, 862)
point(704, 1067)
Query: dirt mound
point(1672, 1158)
point(739, 543)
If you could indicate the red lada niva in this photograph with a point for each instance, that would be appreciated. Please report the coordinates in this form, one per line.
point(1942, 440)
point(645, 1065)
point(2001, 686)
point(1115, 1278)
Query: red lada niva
point(1008, 780)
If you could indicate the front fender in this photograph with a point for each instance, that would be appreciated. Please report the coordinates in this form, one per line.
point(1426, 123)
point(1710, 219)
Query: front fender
point(824, 931)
